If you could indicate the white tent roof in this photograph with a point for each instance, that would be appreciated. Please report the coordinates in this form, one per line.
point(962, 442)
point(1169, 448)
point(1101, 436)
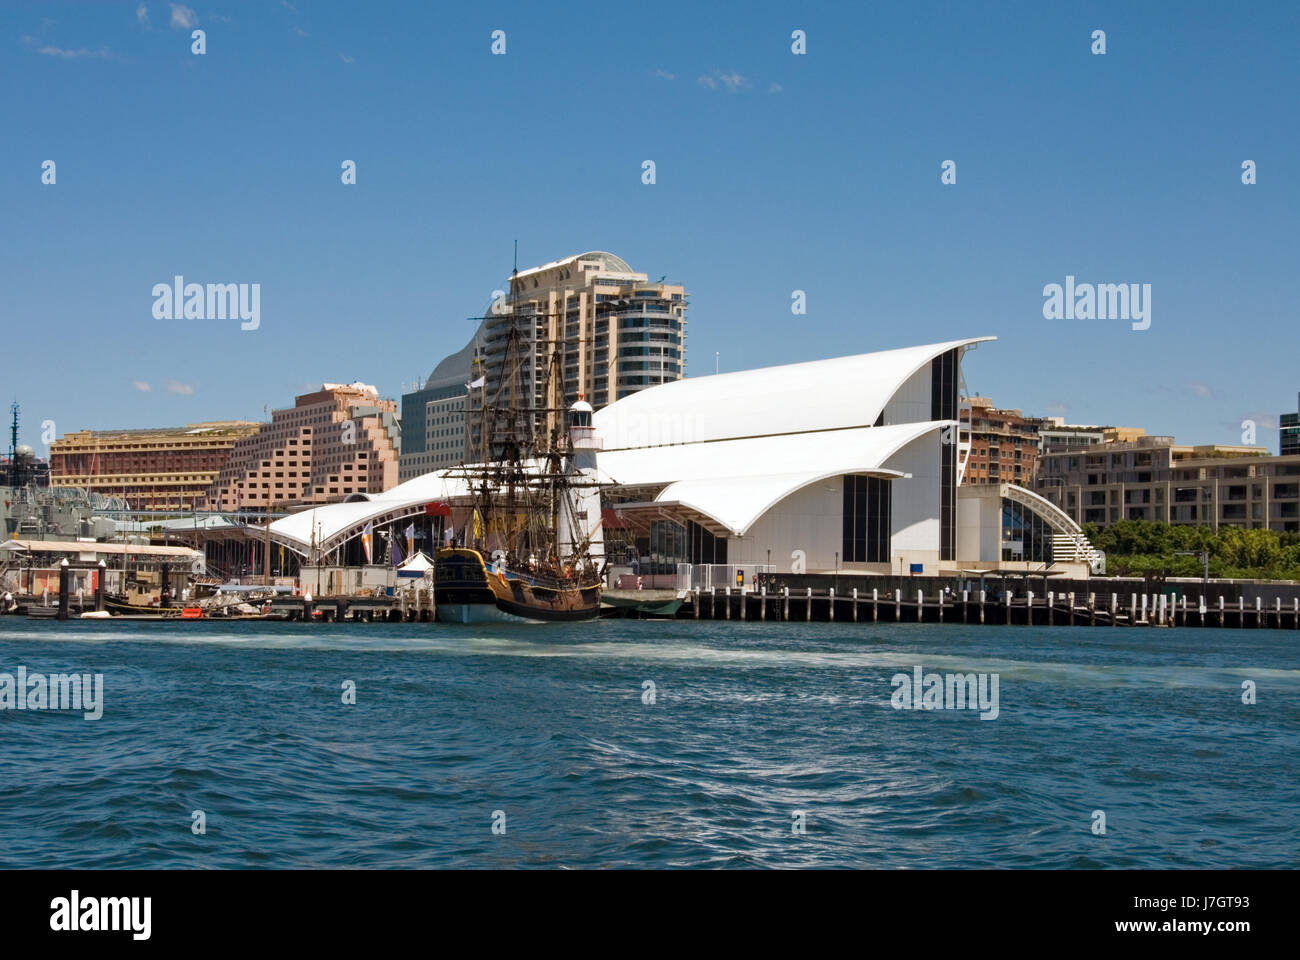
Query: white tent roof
point(797, 397)
point(415, 565)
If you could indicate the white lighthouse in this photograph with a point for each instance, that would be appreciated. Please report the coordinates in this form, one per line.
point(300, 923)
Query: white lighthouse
point(583, 521)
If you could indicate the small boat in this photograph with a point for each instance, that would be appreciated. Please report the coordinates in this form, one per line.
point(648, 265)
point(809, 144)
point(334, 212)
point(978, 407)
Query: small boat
point(642, 603)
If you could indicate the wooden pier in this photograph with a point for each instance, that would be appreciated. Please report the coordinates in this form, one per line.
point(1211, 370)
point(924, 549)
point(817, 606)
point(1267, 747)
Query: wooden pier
point(1095, 608)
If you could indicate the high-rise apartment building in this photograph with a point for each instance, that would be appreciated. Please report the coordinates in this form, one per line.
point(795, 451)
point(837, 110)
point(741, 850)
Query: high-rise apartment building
point(616, 332)
point(340, 440)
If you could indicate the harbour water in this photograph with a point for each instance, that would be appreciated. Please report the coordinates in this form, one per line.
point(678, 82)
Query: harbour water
point(547, 732)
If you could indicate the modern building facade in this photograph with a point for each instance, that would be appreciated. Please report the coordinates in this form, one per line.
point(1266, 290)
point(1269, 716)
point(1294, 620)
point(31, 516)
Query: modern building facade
point(1003, 443)
point(435, 426)
point(1289, 434)
point(339, 441)
point(1153, 478)
point(845, 465)
point(168, 468)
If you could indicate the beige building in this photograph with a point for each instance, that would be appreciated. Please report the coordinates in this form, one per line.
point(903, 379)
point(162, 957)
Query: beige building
point(1153, 478)
point(341, 440)
point(166, 468)
point(617, 331)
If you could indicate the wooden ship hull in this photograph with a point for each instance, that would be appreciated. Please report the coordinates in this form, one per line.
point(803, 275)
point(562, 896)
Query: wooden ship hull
point(469, 589)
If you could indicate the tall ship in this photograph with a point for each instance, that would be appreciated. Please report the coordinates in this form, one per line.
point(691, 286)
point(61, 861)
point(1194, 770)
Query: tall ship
point(529, 546)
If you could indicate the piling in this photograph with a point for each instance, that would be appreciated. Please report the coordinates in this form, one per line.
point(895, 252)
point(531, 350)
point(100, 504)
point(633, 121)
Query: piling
point(65, 577)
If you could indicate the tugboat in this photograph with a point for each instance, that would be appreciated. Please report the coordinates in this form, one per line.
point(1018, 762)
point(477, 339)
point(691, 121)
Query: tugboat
point(531, 546)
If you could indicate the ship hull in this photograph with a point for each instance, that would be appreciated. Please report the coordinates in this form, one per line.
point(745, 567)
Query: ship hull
point(469, 589)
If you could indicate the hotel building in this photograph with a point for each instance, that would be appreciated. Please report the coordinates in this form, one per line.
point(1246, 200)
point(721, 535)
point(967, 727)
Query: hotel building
point(167, 468)
point(339, 441)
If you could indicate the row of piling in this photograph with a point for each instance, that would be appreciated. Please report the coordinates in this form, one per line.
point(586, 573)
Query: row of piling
point(1052, 609)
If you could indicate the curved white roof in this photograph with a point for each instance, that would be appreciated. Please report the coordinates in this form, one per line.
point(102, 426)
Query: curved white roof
point(332, 523)
point(736, 481)
point(815, 395)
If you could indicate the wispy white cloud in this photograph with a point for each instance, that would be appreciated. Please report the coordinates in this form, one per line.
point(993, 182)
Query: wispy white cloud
point(665, 75)
point(1200, 389)
point(174, 386)
point(774, 88)
point(142, 386)
point(1264, 420)
point(142, 16)
point(346, 59)
point(288, 6)
point(183, 18)
point(718, 80)
point(300, 31)
point(219, 18)
point(78, 54)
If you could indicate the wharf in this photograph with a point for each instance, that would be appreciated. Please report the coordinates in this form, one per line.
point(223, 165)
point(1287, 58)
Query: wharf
point(1067, 608)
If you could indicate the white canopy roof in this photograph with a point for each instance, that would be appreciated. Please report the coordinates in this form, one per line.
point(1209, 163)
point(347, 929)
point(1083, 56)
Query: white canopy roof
point(797, 397)
point(332, 524)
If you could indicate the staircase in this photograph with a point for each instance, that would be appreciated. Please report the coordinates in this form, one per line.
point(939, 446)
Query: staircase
point(1069, 543)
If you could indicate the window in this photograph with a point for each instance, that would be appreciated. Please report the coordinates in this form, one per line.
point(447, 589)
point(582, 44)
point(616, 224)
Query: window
point(866, 520)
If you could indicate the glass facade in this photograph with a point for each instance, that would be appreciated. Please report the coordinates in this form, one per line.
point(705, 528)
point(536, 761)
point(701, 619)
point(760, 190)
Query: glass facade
point(671, 543)
point(1025, 535)
point(943, 406)
point(866, 520)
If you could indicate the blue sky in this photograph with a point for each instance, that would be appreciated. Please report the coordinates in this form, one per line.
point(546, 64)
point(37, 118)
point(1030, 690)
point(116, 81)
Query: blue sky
point(775, 173)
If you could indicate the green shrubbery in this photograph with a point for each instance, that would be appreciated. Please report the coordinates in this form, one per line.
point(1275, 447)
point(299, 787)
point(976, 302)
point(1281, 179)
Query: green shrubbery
point(1138, 547)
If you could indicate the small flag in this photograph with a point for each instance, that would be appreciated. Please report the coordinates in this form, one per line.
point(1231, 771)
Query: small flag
point(475, 384)
point(478, 525)
point(367, 542)
point(410, 539)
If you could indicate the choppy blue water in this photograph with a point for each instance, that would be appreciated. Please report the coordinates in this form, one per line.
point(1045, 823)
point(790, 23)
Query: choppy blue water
point(751, 723)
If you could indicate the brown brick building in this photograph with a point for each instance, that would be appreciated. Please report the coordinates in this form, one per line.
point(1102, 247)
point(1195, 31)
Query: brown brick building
point(1003, 443)
point(342, 439)
point(155, 469)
